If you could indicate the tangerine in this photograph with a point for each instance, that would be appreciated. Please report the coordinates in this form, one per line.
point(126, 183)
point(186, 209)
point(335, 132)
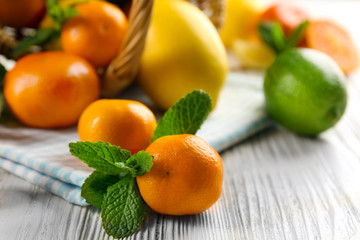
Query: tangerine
point(331, 39)
point(21, 13)
point(186, 177)
point(50, 89)
point(96, 33)
point(125, 123)
point(289, 16)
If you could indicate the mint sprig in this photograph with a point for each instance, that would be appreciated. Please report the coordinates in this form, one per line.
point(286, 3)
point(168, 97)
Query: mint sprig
point(95, 187)
point(40, 37)
point(140, 163)
point(112, 186)
point(186, 116)
point(58, 14)
point(123, 209)
point(104, 157)
point(43, 36)
point(273, 35)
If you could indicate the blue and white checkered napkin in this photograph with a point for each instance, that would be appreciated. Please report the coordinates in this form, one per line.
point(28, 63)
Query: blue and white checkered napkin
point(42, 156)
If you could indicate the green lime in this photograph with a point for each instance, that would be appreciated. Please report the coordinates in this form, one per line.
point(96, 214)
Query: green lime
point(305, 91)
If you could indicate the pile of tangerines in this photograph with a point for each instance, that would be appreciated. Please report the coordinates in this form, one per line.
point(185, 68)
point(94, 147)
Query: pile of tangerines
point(52, 88)
point(55, 89)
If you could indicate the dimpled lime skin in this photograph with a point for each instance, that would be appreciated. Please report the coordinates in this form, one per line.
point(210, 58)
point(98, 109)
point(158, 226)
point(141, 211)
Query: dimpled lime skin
point(305, 91)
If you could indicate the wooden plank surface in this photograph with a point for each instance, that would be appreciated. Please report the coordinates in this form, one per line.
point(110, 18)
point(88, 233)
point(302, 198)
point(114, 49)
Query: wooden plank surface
point(276, 186)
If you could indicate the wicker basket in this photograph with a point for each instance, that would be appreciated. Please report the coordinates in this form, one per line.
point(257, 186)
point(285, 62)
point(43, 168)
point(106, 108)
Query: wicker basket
point(123, 69)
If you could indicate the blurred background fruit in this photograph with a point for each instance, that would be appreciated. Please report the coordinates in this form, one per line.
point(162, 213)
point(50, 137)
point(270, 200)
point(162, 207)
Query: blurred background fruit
point(240, 20)
point(289, 16)
point(21, 13)
point(328, 37)
point(50, 89)
point(96, 33)
point(253, 54)
point(183, 52)
point(47, 22)
point(125, 123)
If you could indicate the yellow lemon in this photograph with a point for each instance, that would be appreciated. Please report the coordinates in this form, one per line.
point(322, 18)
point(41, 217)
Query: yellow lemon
point(253, 54)
point(183, 52)
point(240, 19)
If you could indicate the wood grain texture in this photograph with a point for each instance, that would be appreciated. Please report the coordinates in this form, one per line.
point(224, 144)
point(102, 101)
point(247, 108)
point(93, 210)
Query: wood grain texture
point(276, 186)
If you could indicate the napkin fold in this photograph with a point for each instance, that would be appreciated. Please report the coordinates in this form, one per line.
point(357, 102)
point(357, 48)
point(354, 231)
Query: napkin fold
point(42, 157)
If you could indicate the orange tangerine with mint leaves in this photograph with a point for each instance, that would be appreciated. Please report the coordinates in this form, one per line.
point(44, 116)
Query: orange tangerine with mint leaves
point(186, 177)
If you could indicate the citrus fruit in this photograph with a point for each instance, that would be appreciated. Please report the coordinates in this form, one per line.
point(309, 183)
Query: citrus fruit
point(253, 54)
point(330, 38)
point(305, 91)
point(186, 177)
point(96, 33)
point(125, 123)
point(240, 20)
point(50, 89)
point(170, 68)
point(21, 13)
point(289, 16)
point(47, 22)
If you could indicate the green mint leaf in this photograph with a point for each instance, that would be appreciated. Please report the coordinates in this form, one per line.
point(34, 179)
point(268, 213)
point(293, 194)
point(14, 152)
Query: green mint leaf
point(122, 209)
point(186, 116)
point(58, 14)
point(41, 36)
point(44, 36)
point(50, 4)
point(95, 187)
point(296, 35)
point(55, 11)
point(272, 34)
point(69, 13)
point(104, 157)
point(140, 162)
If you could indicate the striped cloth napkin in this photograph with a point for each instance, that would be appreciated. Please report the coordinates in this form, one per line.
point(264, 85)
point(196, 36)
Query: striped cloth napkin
point(42, 156)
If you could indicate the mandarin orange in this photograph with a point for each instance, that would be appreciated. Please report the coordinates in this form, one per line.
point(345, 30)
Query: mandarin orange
point(186, 177)
point(21, 13)
point(125, 123)
point(50, 89)
point(96, 33)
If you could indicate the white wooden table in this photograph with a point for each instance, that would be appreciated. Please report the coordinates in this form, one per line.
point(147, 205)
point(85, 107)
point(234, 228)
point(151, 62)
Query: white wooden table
point(276, 186)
